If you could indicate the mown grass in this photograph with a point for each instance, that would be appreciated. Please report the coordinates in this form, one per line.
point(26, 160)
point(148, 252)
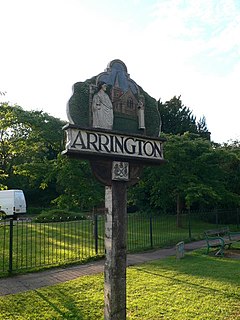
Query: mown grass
point(196, 287)
point(37, 245)
point(41, 245)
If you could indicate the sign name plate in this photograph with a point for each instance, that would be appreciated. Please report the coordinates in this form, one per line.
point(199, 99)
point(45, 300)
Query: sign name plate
point(95, 142)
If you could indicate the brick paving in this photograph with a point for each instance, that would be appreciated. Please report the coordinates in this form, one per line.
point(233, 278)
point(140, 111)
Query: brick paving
point(32, 281)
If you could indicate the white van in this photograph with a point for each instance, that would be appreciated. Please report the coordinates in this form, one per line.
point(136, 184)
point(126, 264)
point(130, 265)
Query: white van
point(12, 202)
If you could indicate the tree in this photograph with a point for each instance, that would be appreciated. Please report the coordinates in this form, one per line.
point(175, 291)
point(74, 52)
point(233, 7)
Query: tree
point(229, 162)
point(31, 143)
point(76, 185)
point(196, 175)
point(178, 119)
point(29, 140)
point(202, 128)
point(2, 180)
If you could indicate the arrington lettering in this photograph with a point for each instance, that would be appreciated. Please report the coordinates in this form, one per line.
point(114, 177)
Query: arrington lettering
point(114, 144)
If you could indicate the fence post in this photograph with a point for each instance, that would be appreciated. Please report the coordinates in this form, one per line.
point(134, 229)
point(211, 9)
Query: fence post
point(96, 232)
point(151, 231)
point(10, 245)
point(189, 225)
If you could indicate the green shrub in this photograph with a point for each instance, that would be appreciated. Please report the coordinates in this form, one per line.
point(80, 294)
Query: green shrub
point(34, 210)
point(57, 215)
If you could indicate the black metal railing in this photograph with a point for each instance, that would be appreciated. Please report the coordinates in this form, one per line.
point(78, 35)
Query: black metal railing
point(27, 245)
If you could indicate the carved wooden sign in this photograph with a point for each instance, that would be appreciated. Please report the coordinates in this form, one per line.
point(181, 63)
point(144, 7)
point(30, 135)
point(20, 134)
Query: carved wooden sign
point(112, 118)
point(116, 146)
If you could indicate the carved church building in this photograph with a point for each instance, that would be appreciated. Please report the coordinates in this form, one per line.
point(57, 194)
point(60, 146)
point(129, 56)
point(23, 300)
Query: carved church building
point(123, 102)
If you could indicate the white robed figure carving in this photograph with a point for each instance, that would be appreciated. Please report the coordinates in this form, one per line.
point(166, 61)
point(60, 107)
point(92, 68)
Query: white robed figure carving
point(141, 118)
point(102, 108)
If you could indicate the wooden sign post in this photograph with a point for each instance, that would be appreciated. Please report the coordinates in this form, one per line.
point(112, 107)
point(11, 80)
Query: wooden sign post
point(116, 251)
point(115, 125)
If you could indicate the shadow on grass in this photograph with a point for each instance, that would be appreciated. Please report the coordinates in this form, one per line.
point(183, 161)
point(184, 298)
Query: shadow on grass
point(197, 264)
point(180, 281)
point(75, 300)
point(67, 302)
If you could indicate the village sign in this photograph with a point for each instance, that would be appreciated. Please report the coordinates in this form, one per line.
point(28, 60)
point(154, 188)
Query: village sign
point(112, 118)
point(116, 125)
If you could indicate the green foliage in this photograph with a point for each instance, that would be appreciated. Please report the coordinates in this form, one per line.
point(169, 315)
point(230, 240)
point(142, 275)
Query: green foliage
point(3, 177)
point(78, 106)
point(76, 185)
point(152, 116)
point(34, 210)
point(30, 147)
point(178, 119)
point(57, 215)
point(202, 128)
point(196, 175)
point(30, 141)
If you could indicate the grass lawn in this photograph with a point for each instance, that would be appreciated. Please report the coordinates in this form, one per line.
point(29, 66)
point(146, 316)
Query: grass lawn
point(196, 287)
point(39, 245)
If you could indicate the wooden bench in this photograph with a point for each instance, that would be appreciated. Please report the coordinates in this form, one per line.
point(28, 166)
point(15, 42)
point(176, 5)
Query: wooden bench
point(220, 239)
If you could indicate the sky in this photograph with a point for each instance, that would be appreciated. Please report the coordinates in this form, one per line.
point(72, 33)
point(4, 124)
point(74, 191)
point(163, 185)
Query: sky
point(187, 48)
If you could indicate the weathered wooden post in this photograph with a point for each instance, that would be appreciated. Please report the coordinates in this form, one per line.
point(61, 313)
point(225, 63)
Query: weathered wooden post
point(116, 251)
point(115, 125)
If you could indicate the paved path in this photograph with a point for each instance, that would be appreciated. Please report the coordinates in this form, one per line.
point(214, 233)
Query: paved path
point(32, 281)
